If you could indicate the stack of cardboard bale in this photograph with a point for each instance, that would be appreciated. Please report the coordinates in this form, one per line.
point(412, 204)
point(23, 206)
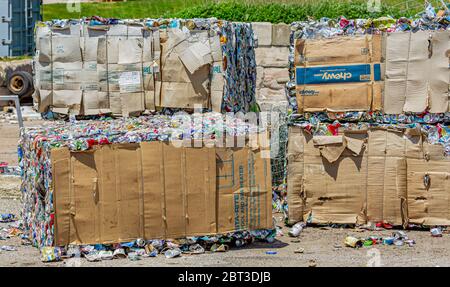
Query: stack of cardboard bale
point(104, 180)
point(369, 139)
point(90, 67)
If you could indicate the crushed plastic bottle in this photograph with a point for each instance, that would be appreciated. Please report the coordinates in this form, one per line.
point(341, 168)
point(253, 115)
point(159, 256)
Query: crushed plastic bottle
point(297, 229)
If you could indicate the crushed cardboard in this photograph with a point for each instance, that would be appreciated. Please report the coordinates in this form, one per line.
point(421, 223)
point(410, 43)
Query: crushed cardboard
point(373, 175)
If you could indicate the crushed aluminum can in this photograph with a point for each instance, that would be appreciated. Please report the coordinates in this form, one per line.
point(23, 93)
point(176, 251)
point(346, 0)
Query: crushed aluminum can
point(140, 242)
point(388, 241)
point(172, 253)
point(353, 242)
point(119, 253)
point(436, 232)
point(50, 254)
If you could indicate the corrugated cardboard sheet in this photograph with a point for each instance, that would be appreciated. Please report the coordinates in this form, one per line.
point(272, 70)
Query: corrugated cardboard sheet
point(339, 74)
point(374, 175)
point(121, 192)
point(417, 72)
point(125, 69)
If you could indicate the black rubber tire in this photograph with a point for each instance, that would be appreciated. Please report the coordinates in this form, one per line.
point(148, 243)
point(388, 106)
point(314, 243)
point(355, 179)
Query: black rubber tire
point(20, 83)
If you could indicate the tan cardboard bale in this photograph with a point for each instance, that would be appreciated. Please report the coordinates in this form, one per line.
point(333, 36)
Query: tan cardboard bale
point(121, 192)
point(339, 74)
point(334, 191)
point(395, 81)
point(67, 76)
point(328, 192)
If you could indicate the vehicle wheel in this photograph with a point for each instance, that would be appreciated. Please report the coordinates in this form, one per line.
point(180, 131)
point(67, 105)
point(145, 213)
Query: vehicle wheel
point(20, 83)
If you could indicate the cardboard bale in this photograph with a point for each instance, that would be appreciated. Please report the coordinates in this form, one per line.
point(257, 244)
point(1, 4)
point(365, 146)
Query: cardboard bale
point(121, 192)
point(367, 176)
point(332, 173)
point(131, 67)
point(339, 74)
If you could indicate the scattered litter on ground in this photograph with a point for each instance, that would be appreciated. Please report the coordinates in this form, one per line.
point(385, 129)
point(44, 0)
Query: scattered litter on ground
point(398, 238)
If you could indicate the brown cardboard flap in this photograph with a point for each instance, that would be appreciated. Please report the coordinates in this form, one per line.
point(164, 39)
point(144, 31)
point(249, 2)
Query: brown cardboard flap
point(355, 145)
point(332, 153)
point(328, 140)
point(332, 147)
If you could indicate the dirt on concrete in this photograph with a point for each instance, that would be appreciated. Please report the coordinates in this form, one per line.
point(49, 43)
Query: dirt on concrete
point(9, 187)
point(321, 247)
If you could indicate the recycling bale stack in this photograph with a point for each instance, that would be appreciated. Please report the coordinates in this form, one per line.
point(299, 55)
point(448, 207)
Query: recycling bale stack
point(369, 135)
point(111, 175)
point(114, 181)
point(103, 66)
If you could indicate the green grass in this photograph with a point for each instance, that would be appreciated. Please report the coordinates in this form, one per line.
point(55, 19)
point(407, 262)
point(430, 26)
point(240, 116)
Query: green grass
point(16, 58)
point(122, 10)
point(285, 11)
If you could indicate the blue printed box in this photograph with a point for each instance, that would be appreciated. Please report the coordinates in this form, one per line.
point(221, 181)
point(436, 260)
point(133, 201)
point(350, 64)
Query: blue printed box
point(337, 74)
